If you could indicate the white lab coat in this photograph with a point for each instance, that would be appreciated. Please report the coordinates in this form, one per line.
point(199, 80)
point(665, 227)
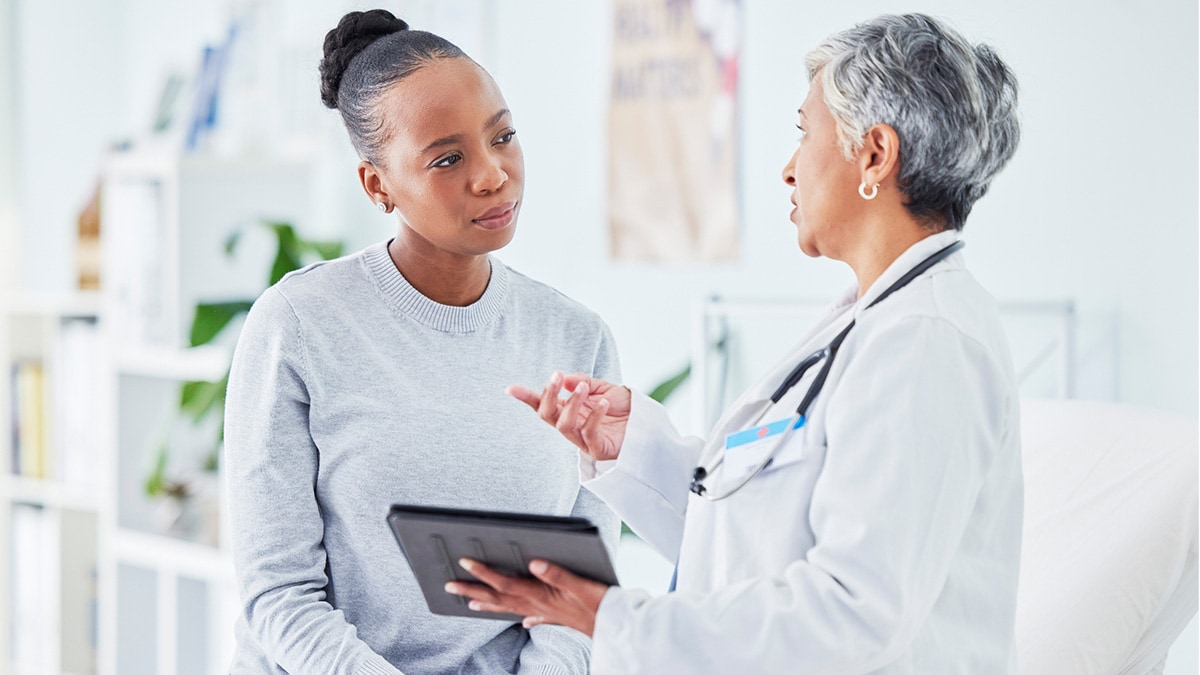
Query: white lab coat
point(885, 535)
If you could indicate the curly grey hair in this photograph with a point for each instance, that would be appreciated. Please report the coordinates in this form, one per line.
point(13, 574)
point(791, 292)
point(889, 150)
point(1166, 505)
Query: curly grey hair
point(952, 104)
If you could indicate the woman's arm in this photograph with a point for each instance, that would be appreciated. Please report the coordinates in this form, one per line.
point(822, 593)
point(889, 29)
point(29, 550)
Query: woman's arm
point(277, 528)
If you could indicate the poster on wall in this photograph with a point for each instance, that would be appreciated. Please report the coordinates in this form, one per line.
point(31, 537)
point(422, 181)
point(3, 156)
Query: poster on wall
point(672, 131)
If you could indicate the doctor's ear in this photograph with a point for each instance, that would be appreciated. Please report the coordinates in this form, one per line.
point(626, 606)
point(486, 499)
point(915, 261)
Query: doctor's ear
point(879, 156)
point(372, 183)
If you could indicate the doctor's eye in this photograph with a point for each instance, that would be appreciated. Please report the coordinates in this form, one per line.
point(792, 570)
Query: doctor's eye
point(802, 133)
point(506, 137)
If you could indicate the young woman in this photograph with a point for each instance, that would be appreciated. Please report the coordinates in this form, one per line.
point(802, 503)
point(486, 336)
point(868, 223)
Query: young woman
point(379, 378)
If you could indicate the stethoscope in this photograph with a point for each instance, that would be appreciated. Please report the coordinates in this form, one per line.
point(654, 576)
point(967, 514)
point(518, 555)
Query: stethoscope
point(826, 353)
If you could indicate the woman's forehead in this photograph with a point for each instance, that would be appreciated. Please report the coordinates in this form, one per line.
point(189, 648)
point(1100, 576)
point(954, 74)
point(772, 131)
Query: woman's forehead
point(445, 97)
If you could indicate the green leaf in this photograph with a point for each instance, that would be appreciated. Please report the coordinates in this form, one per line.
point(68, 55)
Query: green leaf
point(197, 398)
point(328, 250)
point(156, 481)
point(667, 387)
point(231, 242)
point(212, 317)
point(287, 257)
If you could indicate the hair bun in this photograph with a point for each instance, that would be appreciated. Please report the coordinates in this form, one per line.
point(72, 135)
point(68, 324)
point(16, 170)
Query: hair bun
point(354, 33)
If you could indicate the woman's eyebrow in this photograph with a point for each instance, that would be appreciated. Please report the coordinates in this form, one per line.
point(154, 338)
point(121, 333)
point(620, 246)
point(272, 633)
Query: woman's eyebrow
point(455, 138)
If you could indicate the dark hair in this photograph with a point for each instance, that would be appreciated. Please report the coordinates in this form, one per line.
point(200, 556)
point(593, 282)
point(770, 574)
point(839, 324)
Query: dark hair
point(367, 53)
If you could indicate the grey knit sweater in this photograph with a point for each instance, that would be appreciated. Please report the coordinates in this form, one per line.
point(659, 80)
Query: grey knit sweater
point(351, 391)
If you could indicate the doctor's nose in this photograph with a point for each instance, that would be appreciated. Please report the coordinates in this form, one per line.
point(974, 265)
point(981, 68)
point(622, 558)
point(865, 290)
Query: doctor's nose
point(789, 170)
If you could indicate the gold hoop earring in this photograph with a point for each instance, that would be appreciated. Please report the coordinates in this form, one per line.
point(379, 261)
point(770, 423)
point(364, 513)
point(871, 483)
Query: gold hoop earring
point(862, 191)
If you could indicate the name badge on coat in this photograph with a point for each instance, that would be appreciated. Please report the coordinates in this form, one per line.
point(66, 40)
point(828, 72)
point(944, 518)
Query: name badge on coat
point(747, 449)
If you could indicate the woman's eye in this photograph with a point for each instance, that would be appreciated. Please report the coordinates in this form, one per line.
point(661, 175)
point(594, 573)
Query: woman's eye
point(507, 136)
point(448, 160)
point(802, 133)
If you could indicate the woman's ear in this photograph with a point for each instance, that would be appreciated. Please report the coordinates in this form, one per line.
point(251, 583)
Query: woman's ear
point(372, 184)
point(879, 158)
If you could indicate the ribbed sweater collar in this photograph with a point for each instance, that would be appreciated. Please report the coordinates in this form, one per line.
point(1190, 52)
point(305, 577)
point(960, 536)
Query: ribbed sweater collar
point(445, 318)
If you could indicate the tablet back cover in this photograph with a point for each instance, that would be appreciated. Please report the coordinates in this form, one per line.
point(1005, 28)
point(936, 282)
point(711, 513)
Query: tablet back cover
point(434, 538)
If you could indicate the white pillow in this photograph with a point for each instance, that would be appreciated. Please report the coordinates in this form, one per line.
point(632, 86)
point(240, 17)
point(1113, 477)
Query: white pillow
point(1108, 561)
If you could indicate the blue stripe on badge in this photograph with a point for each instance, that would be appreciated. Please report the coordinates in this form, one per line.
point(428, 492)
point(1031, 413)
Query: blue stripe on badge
point(758, 433)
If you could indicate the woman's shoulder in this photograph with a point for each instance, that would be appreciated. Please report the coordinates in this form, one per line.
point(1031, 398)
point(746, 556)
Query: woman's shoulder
point(531, 296)
point(316, 281)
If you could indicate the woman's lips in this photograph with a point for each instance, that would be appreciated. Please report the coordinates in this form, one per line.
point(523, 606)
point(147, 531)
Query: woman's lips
point(497, 216)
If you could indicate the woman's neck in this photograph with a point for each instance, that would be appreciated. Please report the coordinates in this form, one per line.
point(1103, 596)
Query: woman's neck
point(447, 279)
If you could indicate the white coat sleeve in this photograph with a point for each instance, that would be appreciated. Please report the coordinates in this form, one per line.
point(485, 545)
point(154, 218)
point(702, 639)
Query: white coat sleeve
point(276, 524)
point(912, 424)
point(647, 485)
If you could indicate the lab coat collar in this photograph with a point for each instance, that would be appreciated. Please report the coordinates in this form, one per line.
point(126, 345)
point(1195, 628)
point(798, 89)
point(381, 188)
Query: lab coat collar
point(901, 265)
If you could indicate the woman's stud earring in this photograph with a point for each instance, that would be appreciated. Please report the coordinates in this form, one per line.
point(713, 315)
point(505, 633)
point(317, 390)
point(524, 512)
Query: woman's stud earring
point(381, 206)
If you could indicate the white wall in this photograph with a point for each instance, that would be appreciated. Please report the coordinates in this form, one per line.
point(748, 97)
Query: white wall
point(1099, 205)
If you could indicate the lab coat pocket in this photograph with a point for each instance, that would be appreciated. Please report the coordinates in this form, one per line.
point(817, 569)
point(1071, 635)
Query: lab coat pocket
point(797, 449)
point(743, 458)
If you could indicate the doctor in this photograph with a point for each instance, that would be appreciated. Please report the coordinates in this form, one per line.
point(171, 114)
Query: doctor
point(858, 510)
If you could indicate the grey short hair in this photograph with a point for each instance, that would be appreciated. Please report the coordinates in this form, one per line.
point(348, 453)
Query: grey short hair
point(953, 105)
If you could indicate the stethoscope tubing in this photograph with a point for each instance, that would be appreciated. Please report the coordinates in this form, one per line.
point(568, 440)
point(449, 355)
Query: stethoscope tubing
point(827, 353)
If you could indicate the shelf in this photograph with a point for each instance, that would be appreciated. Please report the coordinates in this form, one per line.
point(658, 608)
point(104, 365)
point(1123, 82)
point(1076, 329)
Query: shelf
point(196, 363)
point(83, 304)
point(173, 556)
point(48, 493)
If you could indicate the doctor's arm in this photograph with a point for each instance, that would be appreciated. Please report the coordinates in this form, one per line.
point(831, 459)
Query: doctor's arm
point(910, 448)
point(631, 455)
point(277, 529)
point(913, 425)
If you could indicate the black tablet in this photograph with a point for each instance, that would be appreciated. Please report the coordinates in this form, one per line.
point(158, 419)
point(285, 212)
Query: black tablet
point(434, 538)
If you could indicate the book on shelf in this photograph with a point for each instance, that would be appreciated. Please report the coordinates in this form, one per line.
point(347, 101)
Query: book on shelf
point(137, 255)
point(28, 419)
point(34, 601)
point(77, 397)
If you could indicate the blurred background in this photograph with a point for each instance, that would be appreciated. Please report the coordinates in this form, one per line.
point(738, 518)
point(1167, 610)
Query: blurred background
point(200, 125)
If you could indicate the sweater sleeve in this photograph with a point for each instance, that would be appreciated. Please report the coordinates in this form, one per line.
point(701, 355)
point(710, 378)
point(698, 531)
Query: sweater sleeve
point(277, 528)
point(557, 649)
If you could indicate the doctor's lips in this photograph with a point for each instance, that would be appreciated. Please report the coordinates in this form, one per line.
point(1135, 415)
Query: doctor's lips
point(496, 217)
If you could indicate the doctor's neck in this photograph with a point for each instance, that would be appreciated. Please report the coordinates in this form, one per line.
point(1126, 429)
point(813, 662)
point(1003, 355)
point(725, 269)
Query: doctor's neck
point(880, 242)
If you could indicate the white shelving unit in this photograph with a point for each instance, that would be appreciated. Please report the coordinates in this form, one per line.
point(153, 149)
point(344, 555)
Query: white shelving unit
point(50, 514)
point(169, 600)
point(121, 591)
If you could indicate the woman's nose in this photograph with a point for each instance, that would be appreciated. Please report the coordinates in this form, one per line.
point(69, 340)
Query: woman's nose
point(491, 176)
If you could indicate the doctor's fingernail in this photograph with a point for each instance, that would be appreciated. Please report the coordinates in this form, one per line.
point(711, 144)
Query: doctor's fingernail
point(537, 567)
point(466, 563)
point(581, 387)
point(450, 587)
point(474, 604)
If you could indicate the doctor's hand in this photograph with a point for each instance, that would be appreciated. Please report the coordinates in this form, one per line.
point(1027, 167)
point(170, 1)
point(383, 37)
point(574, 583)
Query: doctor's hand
point(593, 417)
point(555, 597)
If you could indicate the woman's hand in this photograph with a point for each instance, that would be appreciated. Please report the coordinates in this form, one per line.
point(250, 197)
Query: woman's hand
point(593, 417)
point(555, 597)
